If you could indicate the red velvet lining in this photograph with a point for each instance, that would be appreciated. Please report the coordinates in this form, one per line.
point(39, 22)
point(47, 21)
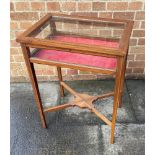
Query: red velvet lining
point(76, 58)
point(86, 41)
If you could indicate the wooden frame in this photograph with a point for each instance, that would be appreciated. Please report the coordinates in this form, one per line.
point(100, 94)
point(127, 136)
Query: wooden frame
point(81, 100)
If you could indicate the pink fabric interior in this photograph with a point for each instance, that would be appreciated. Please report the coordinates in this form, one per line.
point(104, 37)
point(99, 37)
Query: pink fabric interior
point(86, 41)
point(76, 58)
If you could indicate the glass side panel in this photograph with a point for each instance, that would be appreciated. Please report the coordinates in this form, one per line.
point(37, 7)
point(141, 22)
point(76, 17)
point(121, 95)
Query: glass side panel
point(90, 32)
point(75, 58)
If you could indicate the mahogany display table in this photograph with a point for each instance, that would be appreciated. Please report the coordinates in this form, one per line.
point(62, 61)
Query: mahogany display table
point(98, 45)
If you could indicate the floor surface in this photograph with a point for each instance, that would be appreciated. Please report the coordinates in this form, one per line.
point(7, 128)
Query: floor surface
point(75, 131)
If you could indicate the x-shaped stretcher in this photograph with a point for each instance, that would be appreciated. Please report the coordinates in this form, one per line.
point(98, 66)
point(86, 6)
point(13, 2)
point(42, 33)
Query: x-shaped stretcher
point(82, 101)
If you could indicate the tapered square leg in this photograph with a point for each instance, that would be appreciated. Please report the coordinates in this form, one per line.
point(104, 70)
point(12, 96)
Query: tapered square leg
point(60, 80)
point(117, 96)
point(33, 79)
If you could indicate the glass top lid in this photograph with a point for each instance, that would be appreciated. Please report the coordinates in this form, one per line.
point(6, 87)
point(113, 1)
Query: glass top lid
point(89, 32)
